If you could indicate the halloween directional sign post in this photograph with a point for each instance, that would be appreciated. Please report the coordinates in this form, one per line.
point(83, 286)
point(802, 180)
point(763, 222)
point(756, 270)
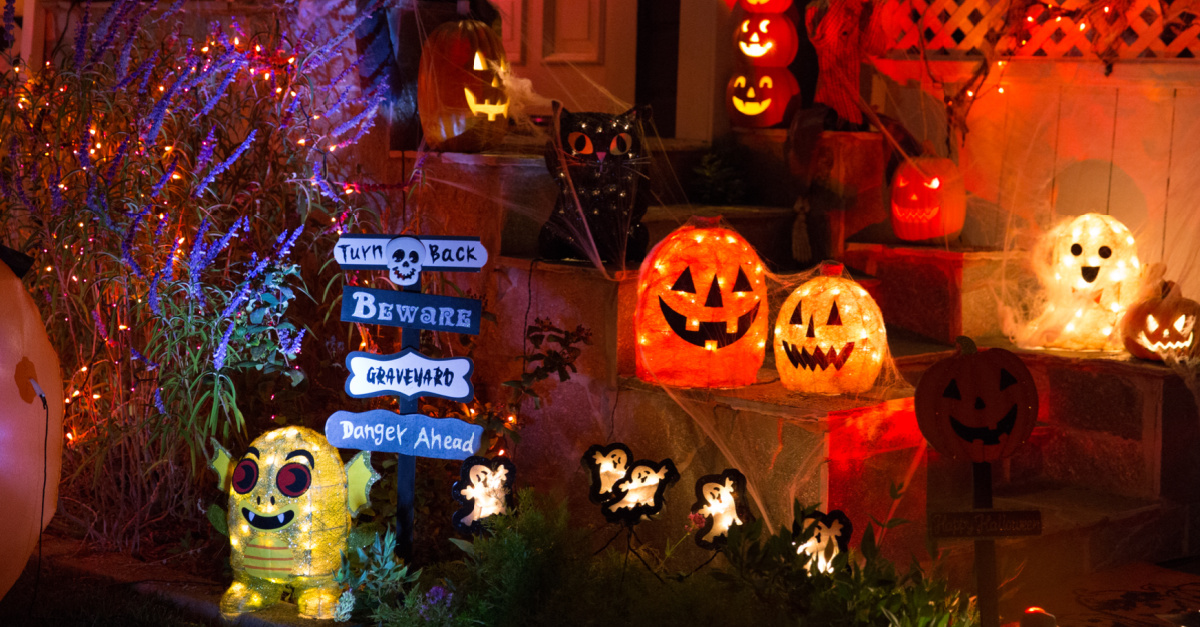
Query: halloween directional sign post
point(408, 374)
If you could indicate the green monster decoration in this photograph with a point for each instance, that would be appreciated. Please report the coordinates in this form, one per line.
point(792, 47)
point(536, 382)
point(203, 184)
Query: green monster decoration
point(290, 503)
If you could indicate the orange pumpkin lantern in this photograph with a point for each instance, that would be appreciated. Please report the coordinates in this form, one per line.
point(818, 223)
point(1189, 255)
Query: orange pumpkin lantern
point(701, 316)
point(766, 40)
point(1161, 324)
point(829, 336)
point(978, 406)
point(759, 97)
point(928, 199)
point(766, 6)
point(462, 102)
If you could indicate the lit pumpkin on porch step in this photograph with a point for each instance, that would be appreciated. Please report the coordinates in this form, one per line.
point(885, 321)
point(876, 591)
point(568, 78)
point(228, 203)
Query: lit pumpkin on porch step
point(928, 199)
point(701, 316)
point(759, 97)
point(1161, 324)
point(766, 6)
point(766, 40)
point(460, 96)
point(977, 405)
point(829, 336)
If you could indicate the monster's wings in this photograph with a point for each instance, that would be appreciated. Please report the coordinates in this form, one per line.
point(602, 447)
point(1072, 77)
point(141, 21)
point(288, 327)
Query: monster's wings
point(360, 476)
point(220, 462)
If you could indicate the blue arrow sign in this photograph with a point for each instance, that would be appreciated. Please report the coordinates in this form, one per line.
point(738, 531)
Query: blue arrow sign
point(411, 309)
point(408, 434)
point(448, 253)
point(409, 374)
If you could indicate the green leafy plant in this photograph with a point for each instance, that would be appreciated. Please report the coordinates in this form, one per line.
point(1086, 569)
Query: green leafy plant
point(374, 577)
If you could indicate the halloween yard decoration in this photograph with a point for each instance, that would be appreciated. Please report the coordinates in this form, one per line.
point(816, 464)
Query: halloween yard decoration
point(637, 494)
point(758, 97)
point(31, 415)
point(928, 199)
point(720, 499)
point(977, 405)
point(766, 40)
point(829, 336)
point(460, 96)
point(1161, 323)
point(601, 164)
point(1089, 270)
point(830, 537)
point(484, 490)
point(765, 6)
point(290, 503)
point(701, 315)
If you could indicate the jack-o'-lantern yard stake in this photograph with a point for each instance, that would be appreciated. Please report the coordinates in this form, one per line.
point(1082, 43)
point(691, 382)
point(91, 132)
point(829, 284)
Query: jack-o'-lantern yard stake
point(701, 316)
point(1089, 270)
point(829, 336)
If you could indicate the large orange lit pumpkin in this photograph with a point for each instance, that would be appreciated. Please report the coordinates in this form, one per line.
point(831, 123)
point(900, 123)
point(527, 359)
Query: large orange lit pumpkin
point(1161, 324)
point(759, 97)
point(928, 199)
point(766, 40)
point(829, 336)
point(462, 102)
point(977, 405)
point(701, 316)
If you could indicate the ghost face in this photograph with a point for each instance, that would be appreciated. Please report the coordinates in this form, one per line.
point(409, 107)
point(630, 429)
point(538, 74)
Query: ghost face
point(1094, 252)
point(405, 257)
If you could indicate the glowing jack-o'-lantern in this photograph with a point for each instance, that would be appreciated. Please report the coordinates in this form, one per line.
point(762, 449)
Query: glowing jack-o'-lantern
point(460, 95)
point(928, 199)
point(766, 6)
point(1161, 324)
point(767, 40)
point(977, 405)
point(290, 503)
point(1090, 271)
point(829, 336)
point(759, 97)
point(701, 316)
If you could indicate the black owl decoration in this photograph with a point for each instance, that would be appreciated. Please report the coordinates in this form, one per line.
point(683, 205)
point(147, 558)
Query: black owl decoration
point(601, 164)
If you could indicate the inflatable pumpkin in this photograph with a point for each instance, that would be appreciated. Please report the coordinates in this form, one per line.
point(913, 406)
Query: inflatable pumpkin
point(32, 447)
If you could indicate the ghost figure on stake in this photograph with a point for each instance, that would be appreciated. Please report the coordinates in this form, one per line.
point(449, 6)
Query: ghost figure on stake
point(484, 490)
point(606, 465)
point(719, 499)
point(830, 537)
point(641, 494)
point(405, 258)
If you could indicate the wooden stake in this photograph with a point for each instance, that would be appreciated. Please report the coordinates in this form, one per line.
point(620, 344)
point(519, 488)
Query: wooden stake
point(986, 584)
point(406, 465)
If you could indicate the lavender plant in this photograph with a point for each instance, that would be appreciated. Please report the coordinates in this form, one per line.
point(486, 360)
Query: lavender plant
point(172, 191)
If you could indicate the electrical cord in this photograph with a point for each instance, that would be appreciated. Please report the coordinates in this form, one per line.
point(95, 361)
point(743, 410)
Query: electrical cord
point(37, 574)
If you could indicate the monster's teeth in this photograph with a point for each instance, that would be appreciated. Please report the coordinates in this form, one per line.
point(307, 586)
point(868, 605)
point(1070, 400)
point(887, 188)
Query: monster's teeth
point(281, 519)
point(250, 515)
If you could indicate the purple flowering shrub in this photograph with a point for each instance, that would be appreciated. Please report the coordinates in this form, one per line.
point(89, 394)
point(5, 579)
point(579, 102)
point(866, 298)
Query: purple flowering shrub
point(171, 190)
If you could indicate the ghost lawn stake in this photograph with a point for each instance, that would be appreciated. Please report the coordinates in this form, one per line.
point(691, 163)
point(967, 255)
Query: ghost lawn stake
point(830, 537)
point(627, 492)
point(980, 406)
point(721, 500)
point(484, 489)
point(408, 374)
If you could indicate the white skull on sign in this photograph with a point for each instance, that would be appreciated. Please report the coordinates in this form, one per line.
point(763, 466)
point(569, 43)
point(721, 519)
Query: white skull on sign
point(405, 256)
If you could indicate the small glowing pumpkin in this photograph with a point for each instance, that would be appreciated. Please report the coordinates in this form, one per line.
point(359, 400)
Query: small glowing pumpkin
point(766, 6)
point(1162, 324)
point(462, 102)
point(928, 199)
point(701, 316)
point(829, 336)
point(766, 40)
point(977, 405)
point(759, 97)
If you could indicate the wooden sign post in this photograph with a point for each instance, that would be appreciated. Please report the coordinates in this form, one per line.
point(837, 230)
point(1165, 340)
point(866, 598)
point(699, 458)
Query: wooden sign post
point(408, 374)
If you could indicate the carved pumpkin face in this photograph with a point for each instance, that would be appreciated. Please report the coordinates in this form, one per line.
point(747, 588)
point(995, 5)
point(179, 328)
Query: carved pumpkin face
point(977, 406)
point(928, 199)
point(766, 6)
point(461, 99)
point(758, 97)
point(766, 40)
point(701, 317)
point(829, 336)
point(1162, 324)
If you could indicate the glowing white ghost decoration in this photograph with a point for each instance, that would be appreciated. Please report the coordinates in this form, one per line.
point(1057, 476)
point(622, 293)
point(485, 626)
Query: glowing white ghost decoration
point(607, 465)
point(719, 501)
point(484, 490)
point(830, 537)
